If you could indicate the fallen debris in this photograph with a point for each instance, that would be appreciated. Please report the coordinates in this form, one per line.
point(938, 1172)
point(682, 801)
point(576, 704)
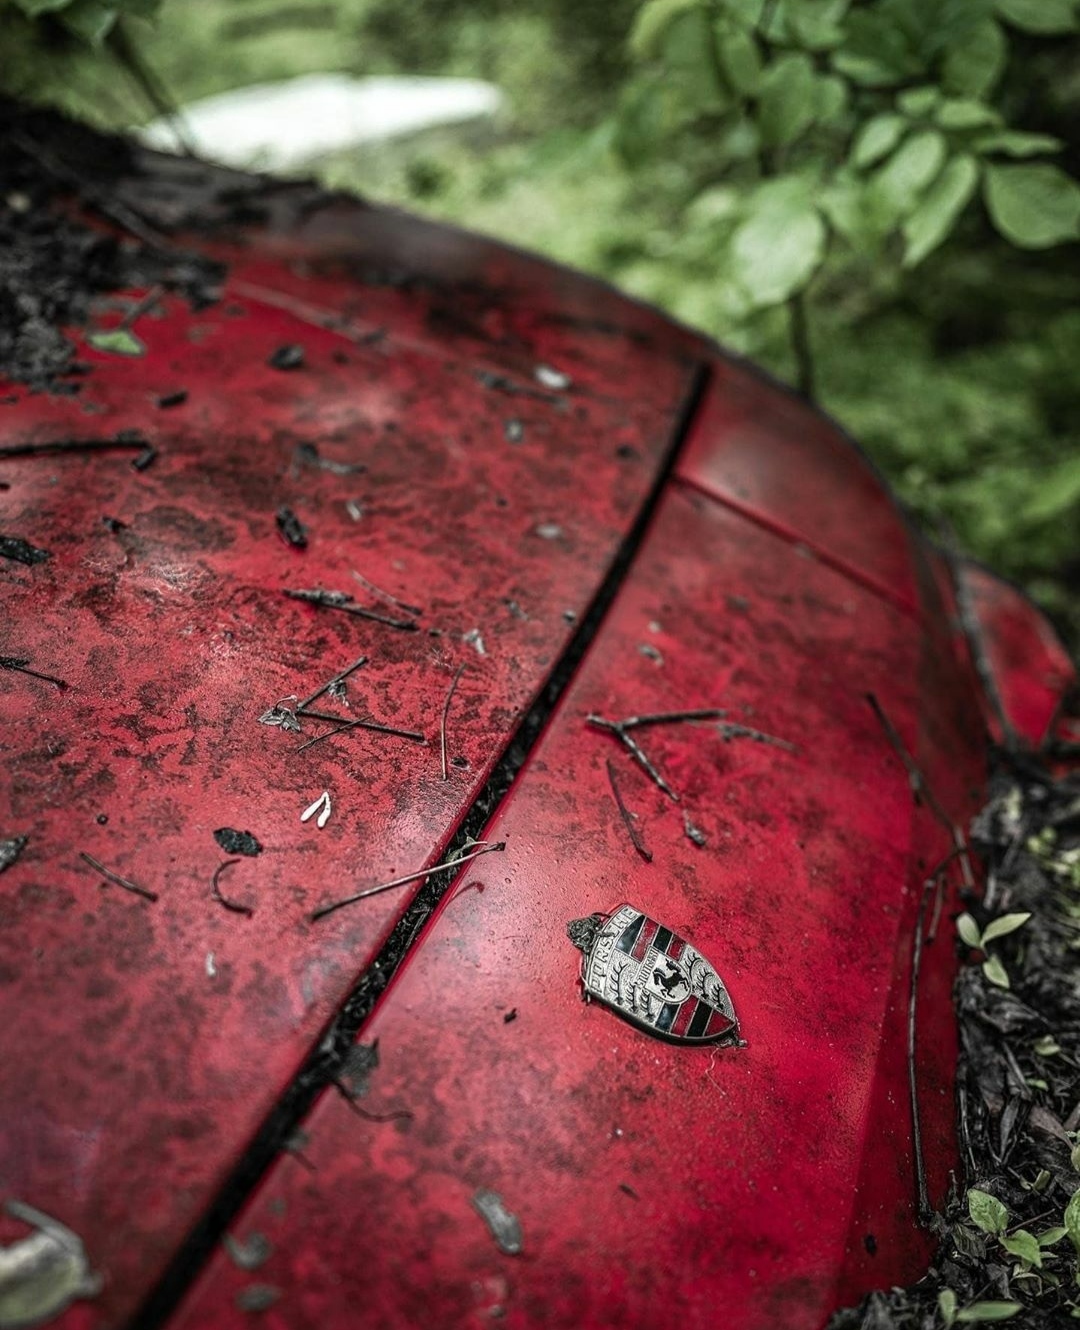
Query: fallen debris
point(237, 842)
point(124, 882)
point(290, 356)
point(22, 666)
point(42, 1274)
point(257, 1297)
point(386, 595)
point(342, 600)
point(309, 454)
point(337, 681)
point(692, 832)
point(255, 1250)
point(480, 847)
point(170, 400)
point(322, 806)
point(413, 736)
point(10, 850)
point(629, 819)
point(21, 551)
point(291, 529)
point(215, 891)
point(503, 1225)
point(442, 723)
point(283, 715)
point(126, 440)
point(729, 731)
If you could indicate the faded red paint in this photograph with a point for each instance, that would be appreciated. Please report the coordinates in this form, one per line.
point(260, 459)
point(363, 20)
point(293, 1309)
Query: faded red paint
point(777, 580)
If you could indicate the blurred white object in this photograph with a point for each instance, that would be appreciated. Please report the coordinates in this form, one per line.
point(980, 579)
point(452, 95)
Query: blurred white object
point(278, 126)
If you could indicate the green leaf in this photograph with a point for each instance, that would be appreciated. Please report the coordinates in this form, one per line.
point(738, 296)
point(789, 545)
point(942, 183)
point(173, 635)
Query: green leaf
point(965, 113)
point(981, 1312)
point(1024, 1246)
point(1033, 206)
point(1060, 492)
point(1015, 143)
point(651, 24)
point(946, 1301)
point(786, 108)
point(1052, 1236)
point(830, 99)
point(32, 8)
point(117, 342)
point(780, 243)
point(816, 24)
point(969, 930)
point(995, 972)
point(740, 59)
point(1046, 1046)
point(1003, 925)
point(924, 229)
point(1074, 1158)
point(918, 101)
point(688, 55)
point(878, 137)
point(909, 171)
point(1072, 1219)
point(987, 1212)
point(92, 20)
point(1048, 18)
point(973, 66)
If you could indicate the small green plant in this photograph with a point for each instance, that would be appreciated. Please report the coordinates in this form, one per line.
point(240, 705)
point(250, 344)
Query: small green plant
point(979, 939)
point(821, 124)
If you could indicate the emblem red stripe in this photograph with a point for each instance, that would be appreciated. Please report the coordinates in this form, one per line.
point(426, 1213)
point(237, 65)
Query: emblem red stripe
point(675, 947)
point(646, 936)
point(718, 1024)
point(684, 1016)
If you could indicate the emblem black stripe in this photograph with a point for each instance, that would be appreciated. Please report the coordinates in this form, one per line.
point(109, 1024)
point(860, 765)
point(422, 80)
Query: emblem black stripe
point(700, 1021)
point(630, 935)
point(666, 1019)
point(661, 940)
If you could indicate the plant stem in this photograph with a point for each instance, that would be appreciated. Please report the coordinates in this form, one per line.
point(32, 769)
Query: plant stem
point(799, 332)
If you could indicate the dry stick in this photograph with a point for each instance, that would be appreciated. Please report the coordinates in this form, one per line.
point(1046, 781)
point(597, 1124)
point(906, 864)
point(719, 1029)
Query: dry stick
point(386, 595)
point(341, 600)
point(23, 667)
point(635, 750)
point(71, 446)
point(442, 724)
point(920, 788)
point(141, 307)
point(117, 879)
point(627, 816)
point(670, 718)
point(338, 678)
point(731, 731)
point(215, 891)
point(922, 1192)
point(483, 847)
point(364, 725)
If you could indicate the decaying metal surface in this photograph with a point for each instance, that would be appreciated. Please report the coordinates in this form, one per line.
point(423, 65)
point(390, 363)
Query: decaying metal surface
point(390, 441)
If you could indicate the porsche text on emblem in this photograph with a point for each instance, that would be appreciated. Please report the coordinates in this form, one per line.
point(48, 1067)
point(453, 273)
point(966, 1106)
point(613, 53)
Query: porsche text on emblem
point(653, 977)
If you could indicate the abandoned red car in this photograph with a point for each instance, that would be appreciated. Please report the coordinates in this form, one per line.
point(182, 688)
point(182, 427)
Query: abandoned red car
point(458, 854)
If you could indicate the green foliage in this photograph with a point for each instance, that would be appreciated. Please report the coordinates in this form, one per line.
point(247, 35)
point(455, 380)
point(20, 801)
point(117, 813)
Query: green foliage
point(987, 1212)
point(89, 20)
point(888, 106)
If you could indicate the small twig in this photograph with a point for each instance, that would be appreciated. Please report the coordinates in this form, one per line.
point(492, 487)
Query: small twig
point(338, 678)
point(731, 731)
point(442, 724)
point(215, 891)
point(395, 1115)
point(920, 788)
point(922, 1192)
point(412, 735)
point(671, 718)
point(71, 446)
point(23, 667)
point(141, 307)
point(626, 815)
point(386, 595)
point(341, 600)
point(483, 847)
point(617, 727)
point(117, 879)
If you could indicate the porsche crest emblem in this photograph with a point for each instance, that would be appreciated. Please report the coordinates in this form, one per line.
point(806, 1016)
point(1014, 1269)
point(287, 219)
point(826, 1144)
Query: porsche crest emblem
point(653, 977)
